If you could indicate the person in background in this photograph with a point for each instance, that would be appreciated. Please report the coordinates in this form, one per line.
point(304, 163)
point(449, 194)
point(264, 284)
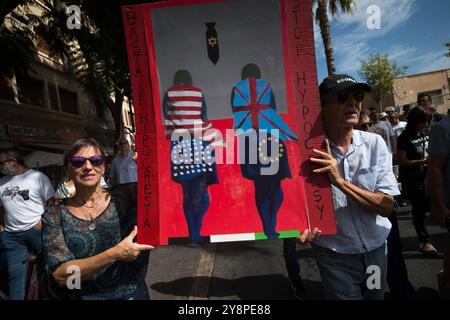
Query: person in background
point(94, 232)
point(425, 101)
point(387, 133)
point(293, 268)
point(397, 126)
point(383, 116)
point(24, 195)
point(413, 159)
point(3, 272)
point(364, 122)
point(406, 109)
point(123, 167)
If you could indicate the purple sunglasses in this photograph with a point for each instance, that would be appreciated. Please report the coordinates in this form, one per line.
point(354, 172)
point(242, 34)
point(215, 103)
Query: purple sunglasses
point(78, 162)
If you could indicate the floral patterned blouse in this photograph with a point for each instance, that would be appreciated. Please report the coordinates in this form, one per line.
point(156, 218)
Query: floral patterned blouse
point(66, 238)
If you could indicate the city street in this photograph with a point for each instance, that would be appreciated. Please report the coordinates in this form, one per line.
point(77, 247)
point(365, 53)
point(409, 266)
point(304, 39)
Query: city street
point(255, 270)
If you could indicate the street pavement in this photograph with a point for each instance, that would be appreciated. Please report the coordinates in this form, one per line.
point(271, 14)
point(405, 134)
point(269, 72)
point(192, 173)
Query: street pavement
point(256, 270)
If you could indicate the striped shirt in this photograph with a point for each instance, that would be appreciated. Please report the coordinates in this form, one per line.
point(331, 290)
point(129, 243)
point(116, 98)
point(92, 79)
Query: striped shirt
point(184, 107)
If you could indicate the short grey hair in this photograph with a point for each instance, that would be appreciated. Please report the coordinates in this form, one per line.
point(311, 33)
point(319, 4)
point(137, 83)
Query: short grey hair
point(14, 153)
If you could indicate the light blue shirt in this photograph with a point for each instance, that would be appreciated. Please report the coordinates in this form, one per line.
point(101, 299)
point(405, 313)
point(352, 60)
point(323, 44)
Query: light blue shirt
point(368, 165)
point(124, 168)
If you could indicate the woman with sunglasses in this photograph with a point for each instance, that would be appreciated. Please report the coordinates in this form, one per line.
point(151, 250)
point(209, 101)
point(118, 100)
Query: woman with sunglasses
point(412, 158)
point(91, 235)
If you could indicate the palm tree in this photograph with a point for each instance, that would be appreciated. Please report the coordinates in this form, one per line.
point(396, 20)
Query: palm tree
point(17, 42)
point(323, 7)
point(6, 7)
point(18, 50)
point(92, 54)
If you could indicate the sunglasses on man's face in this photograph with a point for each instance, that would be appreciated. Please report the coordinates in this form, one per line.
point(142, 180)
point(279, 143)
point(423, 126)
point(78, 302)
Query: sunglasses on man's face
point(122, 143)
point(78, 162)
point(344, 96)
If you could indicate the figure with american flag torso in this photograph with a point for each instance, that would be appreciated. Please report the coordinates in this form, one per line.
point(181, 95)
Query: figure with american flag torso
point(261, 131)
point(192, 148)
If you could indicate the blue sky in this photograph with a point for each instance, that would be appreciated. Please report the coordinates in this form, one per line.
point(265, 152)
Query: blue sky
point(412, 32)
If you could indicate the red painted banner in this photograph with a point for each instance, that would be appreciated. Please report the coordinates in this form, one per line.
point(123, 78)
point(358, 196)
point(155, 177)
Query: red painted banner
point(225, 127)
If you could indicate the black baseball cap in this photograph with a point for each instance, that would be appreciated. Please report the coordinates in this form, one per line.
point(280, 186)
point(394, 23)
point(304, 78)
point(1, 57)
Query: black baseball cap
point(340, 82)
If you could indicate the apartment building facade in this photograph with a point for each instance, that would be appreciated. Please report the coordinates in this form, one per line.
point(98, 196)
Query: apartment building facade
point(45, 111)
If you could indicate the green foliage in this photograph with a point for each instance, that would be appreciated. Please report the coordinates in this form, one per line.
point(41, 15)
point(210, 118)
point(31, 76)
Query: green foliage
point(17, 50)
point(321, 16)
point(380, 74)
point(333, 6)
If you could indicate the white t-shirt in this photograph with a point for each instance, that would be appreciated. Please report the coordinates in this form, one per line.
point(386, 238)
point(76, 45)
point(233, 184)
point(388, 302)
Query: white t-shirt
point(399, 128)
point(386, 126)
point(23, 198)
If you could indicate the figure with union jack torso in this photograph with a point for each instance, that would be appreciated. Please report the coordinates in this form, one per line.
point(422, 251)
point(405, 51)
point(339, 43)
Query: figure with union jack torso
point(192, 148)
point(261, 133)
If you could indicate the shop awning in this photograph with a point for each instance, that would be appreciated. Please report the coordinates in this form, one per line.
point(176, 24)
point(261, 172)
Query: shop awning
point(47, 147)
point(40, 159)
point(56, 147)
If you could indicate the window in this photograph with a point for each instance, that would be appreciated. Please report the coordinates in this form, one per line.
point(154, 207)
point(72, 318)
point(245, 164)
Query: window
point(53, 97)
point(69, 101)
point(31, 91)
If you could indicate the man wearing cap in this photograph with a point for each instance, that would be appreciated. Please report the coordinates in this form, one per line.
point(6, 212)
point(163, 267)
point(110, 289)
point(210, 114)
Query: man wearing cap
point(352, 262)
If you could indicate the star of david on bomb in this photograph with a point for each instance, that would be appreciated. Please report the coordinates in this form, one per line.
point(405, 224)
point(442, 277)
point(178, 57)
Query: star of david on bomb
point(212, 41)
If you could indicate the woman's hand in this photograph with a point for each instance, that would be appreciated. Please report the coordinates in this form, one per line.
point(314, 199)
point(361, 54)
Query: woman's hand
point(127, 250)
point(308, 237)
point(329, 164)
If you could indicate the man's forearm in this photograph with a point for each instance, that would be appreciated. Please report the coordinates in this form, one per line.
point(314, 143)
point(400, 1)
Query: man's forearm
point(375, 202)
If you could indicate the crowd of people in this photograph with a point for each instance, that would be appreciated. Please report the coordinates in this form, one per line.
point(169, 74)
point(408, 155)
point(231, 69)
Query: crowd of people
point(91, 228)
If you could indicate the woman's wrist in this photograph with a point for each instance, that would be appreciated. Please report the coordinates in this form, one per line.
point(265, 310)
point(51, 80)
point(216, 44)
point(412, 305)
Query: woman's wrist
point(113, 254)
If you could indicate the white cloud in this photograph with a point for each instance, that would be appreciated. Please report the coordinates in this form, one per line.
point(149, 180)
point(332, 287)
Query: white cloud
point(418, 62)
point(351, 36)
point(350, 56)
point(401, 55)
point(392, 15)
point(429, 61)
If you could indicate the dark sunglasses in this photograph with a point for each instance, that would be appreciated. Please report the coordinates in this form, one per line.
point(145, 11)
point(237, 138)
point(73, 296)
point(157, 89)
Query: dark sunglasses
point(123, 142)
point(78, 162)
point(344, 96)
